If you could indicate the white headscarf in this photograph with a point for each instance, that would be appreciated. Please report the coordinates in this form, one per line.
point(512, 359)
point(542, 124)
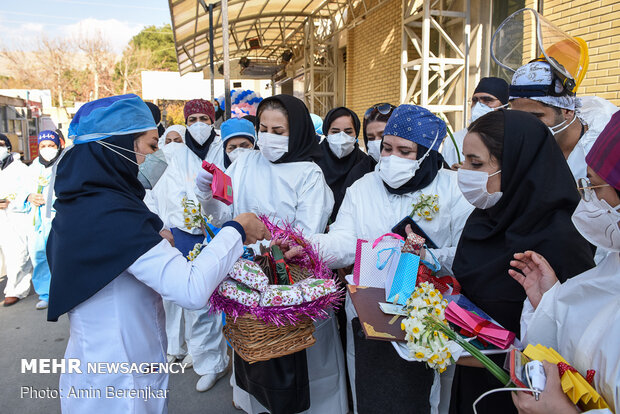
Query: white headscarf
point(179, 129)
point(539, 73)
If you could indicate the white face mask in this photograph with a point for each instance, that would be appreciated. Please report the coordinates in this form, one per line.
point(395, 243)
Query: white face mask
point(396, 171)
point(234, 154)
point(48, 153)
point(481, 109)
point(374, 149)
point(200, 132)
point(473, 185)
point(272, 146)
point(341, 144)
point(555, 131)
point(4, 152)
point(597, 222)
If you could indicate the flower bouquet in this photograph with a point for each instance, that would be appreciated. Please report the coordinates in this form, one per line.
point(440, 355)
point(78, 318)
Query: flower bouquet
point(270, 303)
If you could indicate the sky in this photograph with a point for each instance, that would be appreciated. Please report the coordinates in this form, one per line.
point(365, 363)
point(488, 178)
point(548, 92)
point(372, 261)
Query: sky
point(24, 22)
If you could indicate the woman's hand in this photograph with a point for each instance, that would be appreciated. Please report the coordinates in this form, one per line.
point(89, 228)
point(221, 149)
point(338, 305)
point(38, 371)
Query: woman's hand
point(167, 234)
point(36, 199)
point(254, 228)
point(537, 276)
point(204, 180)
point(551, 401)
point(4, 204)
point(288, 251)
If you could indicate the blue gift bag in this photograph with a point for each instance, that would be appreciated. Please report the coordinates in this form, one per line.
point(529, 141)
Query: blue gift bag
point(403, 282)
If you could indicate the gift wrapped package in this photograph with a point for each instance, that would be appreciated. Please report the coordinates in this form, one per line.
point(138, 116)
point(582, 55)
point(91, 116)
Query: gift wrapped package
point(312, 289)
point(239, 292)
point(413, 244)
point(250, 274)
point(279, 295)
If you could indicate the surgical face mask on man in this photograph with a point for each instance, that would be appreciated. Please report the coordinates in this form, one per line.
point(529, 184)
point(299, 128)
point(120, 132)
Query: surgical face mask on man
point(48, 153)
point(200, 132)
point(374, 149)
point(150, 170)
point(473, 185)
point(4, 152)
point(341, 144)
point(481, 109)
point(597, 222)
point(272, 146)
point(236, 153)
point(555, 131)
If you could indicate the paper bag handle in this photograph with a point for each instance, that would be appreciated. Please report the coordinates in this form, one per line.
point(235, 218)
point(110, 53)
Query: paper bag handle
point(396, 236)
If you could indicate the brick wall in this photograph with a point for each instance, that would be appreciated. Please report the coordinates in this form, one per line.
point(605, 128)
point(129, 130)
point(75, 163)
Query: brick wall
point(373, 59)
point(598, 23)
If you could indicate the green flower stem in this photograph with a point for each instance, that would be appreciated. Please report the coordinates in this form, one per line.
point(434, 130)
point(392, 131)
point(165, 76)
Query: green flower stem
point(501, 375)
point(458, 153)
point(208, 229)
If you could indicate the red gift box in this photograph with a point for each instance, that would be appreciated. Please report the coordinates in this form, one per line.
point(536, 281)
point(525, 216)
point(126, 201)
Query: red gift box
point(221, 186)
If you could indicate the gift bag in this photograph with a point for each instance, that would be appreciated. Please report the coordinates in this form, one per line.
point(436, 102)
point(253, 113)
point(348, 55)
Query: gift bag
point(402, 283)
point(374, 261)
point(221, 186)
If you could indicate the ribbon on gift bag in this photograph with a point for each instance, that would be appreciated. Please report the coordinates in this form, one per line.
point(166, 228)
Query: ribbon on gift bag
point(221, 186)
point(482, 328)
point(400, 286)
point(369, 269)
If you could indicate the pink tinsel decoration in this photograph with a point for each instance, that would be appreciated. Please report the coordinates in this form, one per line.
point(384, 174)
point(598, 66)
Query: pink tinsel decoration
point(309, 259)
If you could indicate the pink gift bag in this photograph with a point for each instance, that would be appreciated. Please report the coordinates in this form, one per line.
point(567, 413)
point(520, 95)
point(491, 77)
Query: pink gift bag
point(375, 261)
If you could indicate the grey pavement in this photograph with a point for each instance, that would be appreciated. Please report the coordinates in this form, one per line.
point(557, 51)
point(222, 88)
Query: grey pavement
point(25, 333)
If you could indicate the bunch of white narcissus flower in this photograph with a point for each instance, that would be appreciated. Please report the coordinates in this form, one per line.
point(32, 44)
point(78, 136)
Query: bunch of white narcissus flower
point(195, 251)
point(192, 216)
point(425, 343)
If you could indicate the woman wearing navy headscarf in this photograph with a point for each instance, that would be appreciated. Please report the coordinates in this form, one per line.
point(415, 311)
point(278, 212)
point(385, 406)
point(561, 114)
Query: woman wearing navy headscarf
point(34, 195)
point(110, 266)
point(410, 170)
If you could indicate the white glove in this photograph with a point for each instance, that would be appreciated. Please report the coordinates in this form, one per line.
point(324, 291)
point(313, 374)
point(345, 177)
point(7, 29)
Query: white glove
point(204, 180)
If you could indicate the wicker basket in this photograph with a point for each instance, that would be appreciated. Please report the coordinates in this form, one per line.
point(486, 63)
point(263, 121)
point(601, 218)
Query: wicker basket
point(253, 340)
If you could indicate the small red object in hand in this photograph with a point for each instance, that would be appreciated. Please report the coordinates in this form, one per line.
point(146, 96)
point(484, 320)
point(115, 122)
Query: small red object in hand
point(221, 186)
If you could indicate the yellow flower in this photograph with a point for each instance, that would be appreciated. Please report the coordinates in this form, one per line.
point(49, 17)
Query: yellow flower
point(402, 326)
point(194, 211)
point(415, 330)
point(419, 355)
point(432, 293)
point(187, 219)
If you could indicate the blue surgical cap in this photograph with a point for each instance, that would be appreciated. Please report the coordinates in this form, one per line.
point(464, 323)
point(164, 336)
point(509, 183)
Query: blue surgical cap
point(416, 124)
point(317, 121)
point(237, 127)
point(115, 115)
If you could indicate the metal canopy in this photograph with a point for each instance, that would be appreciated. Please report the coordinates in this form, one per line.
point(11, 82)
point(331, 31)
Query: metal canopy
point(259, 29)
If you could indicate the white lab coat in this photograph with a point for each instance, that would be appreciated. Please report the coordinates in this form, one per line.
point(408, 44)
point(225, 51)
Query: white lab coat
point(13, 233)
point(580, 319)
point(124, 322)
point(595, 112)
point(196, 331)
point(369, 211)
point(296, 193)
point(449, 152)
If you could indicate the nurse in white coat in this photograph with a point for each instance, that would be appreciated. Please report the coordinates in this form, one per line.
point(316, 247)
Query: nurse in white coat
point(110, 266)
point(282, 182)
point(199, 329)
point(34, 196)
point(13, 233)
point(410, 167)
point(580, 318)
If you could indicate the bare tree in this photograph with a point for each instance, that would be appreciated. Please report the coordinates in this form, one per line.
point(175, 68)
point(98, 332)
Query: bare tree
point(100, 60)
point(56, 54)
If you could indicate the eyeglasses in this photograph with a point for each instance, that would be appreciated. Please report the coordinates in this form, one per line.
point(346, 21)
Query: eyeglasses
point(382, 108)
point(586, 189)
point(484, 99)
